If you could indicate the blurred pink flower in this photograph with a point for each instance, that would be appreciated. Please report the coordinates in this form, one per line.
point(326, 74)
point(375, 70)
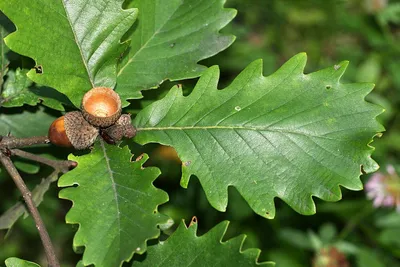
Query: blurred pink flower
point(384, 189)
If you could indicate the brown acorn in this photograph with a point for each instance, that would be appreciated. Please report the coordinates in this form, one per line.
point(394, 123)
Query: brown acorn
point(72, 130)
point(101, 106)
point(122, 128)
point(57, 133)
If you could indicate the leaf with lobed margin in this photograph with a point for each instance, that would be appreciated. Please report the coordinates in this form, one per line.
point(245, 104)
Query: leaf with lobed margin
point(168, 41)
point(185, 248)
point(75, 43)
point(288, 135)
point(115, 204)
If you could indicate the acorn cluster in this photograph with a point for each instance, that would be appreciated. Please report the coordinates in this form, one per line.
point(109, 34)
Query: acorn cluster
point(100, 115)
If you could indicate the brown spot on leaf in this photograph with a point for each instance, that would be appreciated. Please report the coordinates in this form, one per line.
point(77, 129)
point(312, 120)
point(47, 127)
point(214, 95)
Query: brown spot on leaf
point(38, 69)
point(139, 158)
point(362, 170)
point(193, 221)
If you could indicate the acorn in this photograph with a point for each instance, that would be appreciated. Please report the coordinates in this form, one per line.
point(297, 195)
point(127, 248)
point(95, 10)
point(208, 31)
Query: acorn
point(122, 128)
point(72, 130)
point(101, 107)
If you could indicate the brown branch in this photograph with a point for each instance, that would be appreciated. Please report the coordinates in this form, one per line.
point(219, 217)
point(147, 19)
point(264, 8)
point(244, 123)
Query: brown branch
point(27, 195)
point(14, 142)
point(9, 217)
point(58, 165)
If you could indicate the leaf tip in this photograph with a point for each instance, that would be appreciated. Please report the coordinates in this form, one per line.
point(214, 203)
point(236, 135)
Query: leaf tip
point(296, 63)
point(232, 12)
point(340, 68)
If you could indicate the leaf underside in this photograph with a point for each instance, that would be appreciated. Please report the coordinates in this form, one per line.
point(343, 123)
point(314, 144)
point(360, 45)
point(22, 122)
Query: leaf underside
point(185, 248)
point(169, 39)
point(115, 204)
point(75, 43)
point(288, 135)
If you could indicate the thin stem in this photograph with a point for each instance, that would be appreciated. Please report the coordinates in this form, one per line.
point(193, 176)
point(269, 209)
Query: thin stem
point(27, 195)
point(58, 165)
point(14, 142)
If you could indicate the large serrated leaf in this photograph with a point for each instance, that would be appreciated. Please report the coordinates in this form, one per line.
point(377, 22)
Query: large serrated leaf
point(115, 204)
point(289, 135)
point(75, 42)
point(169, 40)
point(184, 248)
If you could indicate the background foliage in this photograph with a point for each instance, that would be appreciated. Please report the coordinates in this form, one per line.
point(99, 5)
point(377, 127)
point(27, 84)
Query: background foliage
point(329, 31)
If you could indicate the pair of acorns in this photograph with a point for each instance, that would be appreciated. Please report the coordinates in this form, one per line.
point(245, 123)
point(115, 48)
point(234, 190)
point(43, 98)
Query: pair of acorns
point(100, 115)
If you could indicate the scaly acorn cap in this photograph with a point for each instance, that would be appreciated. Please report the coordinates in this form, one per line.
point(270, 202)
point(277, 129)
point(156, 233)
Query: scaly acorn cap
point(122, 128)
point(101, 106)
point(80, 133)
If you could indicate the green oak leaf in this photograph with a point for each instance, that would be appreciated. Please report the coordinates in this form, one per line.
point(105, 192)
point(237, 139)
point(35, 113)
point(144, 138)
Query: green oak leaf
point(288, 135)
point(168, 41)
point(18, 90)
point(184, 248)
point(15, 262)
point(115, 204)
point(75, 43)
point(30, 122)
point(5, 28)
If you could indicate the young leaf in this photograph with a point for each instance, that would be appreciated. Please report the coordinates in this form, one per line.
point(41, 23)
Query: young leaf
point(15, 92)
point(184, 248)
point(18, 90)
point(170, 38)
point(15, 262)
point(75, 44)
point(115, 204)
point(289, 135)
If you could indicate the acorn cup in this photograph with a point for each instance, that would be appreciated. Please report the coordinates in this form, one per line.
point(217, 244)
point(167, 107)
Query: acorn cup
point(72, 130)
point(122, 128)
point(101, 107)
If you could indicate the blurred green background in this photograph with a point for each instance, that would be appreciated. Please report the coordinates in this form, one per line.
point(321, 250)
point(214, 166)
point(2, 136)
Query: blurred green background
point(352, 231)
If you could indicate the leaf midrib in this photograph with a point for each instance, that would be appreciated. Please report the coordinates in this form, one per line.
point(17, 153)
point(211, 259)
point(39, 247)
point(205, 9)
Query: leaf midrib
point(234, 128)
point(148, 41)
point(78, 45)
point(107, 159)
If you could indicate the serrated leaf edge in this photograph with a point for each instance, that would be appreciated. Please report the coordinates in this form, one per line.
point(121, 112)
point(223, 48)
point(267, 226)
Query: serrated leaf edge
point(257, 66)
point(222, 227)
point(142, 248)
